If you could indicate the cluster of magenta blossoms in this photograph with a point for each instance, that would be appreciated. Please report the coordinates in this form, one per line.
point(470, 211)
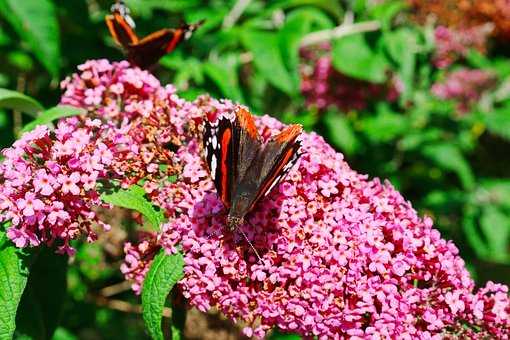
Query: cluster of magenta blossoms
point(342, 255)
point(465, 86)
point(452, 45)
point(323, 86)
point(48, 184)
point(49, 180)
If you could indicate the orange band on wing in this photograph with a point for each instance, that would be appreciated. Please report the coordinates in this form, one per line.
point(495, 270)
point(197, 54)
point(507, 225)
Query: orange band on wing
point(225, 140)
point(246, 122)
point(289, 133)
point(175, 40)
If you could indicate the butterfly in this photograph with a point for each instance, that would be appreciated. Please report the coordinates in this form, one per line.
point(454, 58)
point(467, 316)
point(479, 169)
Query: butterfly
point(243, 168)
point(147, 51)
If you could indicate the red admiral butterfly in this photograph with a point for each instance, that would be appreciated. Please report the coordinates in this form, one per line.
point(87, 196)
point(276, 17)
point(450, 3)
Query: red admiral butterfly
point(147, 51)
point(243, 169)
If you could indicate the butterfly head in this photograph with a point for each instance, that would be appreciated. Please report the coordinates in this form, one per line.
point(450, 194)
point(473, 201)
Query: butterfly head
point(233, 222)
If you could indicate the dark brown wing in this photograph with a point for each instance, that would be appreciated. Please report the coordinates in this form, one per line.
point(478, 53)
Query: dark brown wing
point(266, 170)
point(248, 140)
point(120, 30)
point(220, 155)
point(278, 157)
point(151, 48)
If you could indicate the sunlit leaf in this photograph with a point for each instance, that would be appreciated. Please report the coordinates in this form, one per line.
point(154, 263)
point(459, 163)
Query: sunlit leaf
point(354, 57)
point(134, 198)
point(164, 273)
point(18, 101)
point(13, 280)
point(268, 59)
point(341, 133)
point(36, 22)
point(57, 112)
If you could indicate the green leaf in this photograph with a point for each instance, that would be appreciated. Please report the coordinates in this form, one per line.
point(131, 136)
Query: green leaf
point(12, 284)
point(498, 122)
point(402, 46)
point(63, 334)
point(164, 273)
point(385, 125)
point(224, 74)
point(268, 59)
point(35, 21)
point(334, 8)
point(385, 11)
point(449, 157)
point(495, 226)
point(57, 112)
point(341, 133)
point(39, 311)
point(472, 232)
point(297, 23)
point(18, 101)
point(354, 57)
point(278, 335)
point(134, 198)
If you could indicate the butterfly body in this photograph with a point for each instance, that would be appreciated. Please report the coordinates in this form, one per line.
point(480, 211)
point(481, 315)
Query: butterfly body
point(147, 51)
point(243, 168)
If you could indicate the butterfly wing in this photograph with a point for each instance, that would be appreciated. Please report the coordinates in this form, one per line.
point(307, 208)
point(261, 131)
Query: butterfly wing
point(248, 140)
point(151, 48)
point(278, 157)
point(221, 155)
point(120, 29)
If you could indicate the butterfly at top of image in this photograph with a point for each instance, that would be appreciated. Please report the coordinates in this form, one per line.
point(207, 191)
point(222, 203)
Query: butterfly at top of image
point(147, 51)
point(243, 168)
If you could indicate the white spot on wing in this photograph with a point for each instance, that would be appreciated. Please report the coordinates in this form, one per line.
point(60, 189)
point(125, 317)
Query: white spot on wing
point(214, 165)
point(273, 184)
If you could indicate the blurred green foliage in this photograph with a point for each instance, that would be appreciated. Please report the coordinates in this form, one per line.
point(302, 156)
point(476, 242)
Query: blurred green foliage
point(453, 167)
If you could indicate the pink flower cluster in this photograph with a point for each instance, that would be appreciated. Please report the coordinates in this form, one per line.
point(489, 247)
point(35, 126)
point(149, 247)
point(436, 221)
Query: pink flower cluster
point(323, 86)
point(341, 256)
point(49, 179)
point(49, 184)
point(452, 45)
point(464, 86)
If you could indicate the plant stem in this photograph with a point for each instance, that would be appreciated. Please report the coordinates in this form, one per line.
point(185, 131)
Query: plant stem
point(338, 32)
point(235, 13)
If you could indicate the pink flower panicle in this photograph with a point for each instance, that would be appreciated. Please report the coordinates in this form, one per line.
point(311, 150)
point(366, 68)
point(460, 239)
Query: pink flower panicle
point(49, 184)
point(452, 45)
point(323, 86)
point(464, 86)
point(342, 256)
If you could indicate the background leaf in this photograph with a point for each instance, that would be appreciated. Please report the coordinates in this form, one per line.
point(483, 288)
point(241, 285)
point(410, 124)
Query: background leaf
point(498, 122)
point(134, 198)
point(341, 132)
point(267, 58)
point(13, 280)
point(449, 157)
point(354, 57)
point(18, 101)
point(495, 225)
point(164, 273)
point(36, 22)
point(57, 112)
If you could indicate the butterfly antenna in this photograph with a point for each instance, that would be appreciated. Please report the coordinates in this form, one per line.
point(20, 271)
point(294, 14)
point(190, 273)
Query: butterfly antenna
point(251, 245)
